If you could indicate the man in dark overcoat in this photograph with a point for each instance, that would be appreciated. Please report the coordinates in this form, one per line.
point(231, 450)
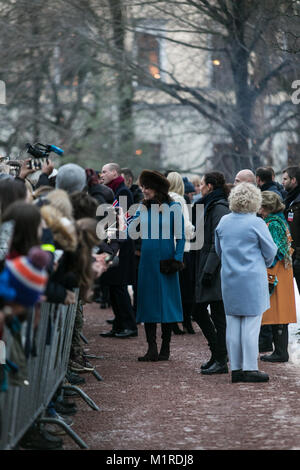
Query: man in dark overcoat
point(118, 278)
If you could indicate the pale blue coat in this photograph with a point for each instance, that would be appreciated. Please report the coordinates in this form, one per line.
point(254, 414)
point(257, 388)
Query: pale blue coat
point(246, 248)
point(159, 298)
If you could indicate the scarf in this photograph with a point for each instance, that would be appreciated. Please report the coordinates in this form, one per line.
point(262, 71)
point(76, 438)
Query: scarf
point(291, 196)
point(114, 184)
point(210, 198)
point(279, 230)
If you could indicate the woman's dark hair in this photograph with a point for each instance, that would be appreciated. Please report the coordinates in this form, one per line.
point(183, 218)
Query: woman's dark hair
point(27, 220)
point(83, 204)
point(11, 190)
point(217, 180)
point(159, 198)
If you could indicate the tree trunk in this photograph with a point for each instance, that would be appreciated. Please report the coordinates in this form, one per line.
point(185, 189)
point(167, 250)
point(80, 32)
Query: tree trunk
point(124, 85)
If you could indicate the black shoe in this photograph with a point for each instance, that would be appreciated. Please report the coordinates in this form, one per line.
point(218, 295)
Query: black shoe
point(274, 358)
point(216, 368)
point(255, 376)
point(208, 364)
point(108, 334)
point(237, 376)
point(126, 333)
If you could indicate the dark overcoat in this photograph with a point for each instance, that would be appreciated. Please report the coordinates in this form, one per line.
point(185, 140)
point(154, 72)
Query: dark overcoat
point(125, 272)
point(207, 261)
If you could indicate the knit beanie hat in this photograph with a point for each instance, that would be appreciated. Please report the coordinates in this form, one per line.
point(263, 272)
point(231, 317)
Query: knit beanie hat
point(27, 276)
point(188, 186)
point(71, 177)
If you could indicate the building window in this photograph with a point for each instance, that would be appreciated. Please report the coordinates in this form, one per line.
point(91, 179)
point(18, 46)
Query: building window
point(148, 57)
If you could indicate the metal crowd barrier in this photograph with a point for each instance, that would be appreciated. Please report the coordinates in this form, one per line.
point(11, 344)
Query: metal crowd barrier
point(21, 406)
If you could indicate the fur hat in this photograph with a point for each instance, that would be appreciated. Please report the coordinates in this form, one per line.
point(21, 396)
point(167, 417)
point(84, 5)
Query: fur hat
point(60, 200)
point(63, 229)
point(26, 277)
point(154, 180)
point(71, 177)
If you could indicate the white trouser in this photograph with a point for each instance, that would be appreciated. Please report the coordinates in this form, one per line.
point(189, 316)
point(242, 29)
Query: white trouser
point(242, 335)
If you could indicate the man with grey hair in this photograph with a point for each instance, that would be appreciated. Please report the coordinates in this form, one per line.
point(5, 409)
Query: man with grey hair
point(244, 176)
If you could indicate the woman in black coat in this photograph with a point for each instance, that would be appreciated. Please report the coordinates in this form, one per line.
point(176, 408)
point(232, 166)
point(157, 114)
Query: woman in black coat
point(207, 274)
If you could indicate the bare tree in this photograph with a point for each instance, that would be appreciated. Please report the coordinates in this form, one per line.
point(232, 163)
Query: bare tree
point(243, 33)
point(72, 69)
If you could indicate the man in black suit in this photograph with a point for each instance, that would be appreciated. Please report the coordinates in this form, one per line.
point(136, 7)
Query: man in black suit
point(120, 277)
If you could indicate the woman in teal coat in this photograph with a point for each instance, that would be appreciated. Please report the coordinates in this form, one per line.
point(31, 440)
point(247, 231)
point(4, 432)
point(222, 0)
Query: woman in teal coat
point(162, 232)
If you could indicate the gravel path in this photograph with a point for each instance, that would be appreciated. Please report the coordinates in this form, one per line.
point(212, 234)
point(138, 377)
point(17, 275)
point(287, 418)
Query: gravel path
point(171, 406)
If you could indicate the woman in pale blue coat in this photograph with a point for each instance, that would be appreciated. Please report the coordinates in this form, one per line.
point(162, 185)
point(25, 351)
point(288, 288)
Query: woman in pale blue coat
point(246, 249)
point(162, 233)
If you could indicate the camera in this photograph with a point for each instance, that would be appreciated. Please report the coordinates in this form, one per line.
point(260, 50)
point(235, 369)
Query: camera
point(41, 152)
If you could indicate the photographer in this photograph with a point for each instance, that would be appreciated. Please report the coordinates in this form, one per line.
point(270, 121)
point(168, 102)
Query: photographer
point(46, 178)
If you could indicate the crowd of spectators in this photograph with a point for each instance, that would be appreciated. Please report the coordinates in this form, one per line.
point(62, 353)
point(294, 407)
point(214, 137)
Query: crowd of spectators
point(56, 247)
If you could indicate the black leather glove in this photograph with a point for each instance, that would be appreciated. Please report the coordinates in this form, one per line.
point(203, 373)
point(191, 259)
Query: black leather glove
point(170, 266)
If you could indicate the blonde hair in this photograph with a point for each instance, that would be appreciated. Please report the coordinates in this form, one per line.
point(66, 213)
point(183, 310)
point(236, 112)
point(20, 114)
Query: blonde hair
point(59, 199)
point(272, 202)
point(196, 180)
point(176, 183)
point(245, 198)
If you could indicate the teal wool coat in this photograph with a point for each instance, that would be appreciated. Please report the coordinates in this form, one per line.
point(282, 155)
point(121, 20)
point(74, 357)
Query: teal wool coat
point(162, 234)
